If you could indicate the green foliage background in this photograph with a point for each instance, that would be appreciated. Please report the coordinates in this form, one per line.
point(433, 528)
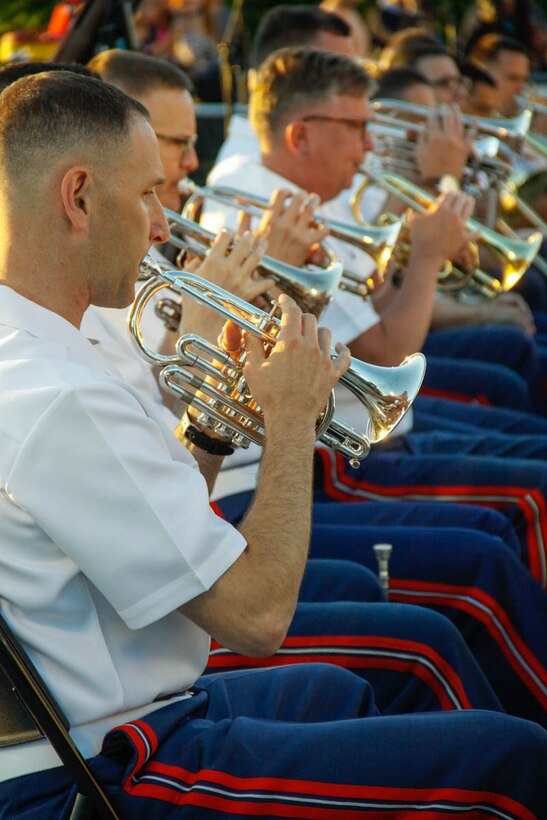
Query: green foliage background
point(17, 14)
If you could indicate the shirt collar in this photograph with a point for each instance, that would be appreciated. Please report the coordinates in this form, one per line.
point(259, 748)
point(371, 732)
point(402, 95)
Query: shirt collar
point(19, 312)
point(241, 127)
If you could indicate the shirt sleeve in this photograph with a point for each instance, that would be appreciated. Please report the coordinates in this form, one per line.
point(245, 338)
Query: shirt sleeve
point(99, 478)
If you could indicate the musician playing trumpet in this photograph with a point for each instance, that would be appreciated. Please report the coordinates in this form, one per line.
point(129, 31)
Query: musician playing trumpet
point(287, 227)
point(112, 555)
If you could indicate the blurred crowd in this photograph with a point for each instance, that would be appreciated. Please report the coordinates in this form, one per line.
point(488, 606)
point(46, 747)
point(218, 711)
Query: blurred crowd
point(190, 31)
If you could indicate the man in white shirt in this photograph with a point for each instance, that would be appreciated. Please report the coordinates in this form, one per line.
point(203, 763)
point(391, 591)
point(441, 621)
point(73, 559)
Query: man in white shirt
point(284, 26)
point(443, 149)
point(110, 581)
point(300, 110)
point(162, 88)
point(297, 155)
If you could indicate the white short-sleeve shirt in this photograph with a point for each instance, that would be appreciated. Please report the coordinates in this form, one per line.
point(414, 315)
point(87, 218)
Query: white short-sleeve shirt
point(105, 524)
point(241, 139)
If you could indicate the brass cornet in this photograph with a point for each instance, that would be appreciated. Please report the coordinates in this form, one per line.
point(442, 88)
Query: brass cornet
point(377, 242)
point(228, 407)
point(514, 255)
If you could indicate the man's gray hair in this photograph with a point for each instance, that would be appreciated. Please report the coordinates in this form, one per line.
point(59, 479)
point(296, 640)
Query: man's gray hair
point(292, 78)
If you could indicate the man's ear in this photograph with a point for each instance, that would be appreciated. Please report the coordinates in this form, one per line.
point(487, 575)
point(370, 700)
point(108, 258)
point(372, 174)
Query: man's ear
point(297, 138)
point(76, 188)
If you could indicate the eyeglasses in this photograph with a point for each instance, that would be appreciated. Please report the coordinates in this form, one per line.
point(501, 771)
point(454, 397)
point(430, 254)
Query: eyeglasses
point(450, 83)
point(358, 125)
point(184, 144)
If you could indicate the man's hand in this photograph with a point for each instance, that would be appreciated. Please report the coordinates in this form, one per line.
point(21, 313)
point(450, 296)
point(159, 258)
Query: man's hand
point(230, 265)
point(440, 232)
point(292, 383)
point(444, 146)
point(289, 227)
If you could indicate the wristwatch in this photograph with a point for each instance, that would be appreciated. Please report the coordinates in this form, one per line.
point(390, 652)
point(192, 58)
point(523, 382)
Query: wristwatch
point(198, 438)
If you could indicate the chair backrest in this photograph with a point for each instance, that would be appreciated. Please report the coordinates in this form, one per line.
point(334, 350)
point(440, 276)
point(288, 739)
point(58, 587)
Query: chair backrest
point(16, 725)
point(29, 711)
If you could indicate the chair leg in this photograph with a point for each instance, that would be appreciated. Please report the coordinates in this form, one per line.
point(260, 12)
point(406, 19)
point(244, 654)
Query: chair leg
point(82, 808)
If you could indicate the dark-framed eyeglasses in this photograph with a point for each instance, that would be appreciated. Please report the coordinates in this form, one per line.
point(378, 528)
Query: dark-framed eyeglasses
point(184, 144)
point(449, 83)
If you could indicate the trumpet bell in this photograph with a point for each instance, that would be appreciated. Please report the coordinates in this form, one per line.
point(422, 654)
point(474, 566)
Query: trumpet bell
point(385, 392)
point(377, 241)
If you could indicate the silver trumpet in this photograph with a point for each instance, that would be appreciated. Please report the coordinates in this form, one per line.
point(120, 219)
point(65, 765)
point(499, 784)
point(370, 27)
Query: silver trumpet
point(311, 288)
point(514, 255)
point(377, 242)
point(515, 131)
point(227, 407)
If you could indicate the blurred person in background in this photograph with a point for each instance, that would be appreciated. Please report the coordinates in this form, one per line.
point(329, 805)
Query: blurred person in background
point(507, 61)
point(482, 98)
point(348, 11)
point(522, 20)
point(165, 91)
point(420, 50)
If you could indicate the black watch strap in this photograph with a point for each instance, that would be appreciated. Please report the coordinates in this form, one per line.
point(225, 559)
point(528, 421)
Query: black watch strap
point(210, 445)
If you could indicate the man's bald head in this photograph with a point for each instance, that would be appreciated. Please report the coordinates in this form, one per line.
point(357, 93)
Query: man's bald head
point(55, 117)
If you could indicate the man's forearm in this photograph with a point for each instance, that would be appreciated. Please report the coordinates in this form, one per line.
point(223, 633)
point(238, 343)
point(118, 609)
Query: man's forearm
point(410, 314)
point(277, 525)
point(404, 324)
point(252, 604)
point(448, 313)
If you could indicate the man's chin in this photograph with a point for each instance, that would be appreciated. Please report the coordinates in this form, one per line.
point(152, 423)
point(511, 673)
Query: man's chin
point(118, 301)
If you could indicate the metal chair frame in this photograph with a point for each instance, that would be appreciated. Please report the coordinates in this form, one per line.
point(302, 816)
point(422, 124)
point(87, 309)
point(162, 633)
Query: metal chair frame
point(28, 711)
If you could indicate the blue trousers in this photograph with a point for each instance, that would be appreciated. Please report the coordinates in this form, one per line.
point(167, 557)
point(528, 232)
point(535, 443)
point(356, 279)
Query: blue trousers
point(475, 381)
point(329, 579)
point(515, 486)
point(477, 580)
point(488, 351)
point(415, 659)
point(303, 742)
point(438, 415)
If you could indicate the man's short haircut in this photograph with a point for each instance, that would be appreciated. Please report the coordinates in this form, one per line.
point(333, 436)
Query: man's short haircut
point(488, 47)
point(46, 116)
point(285, 26)
point(138, 74)
point(293, 78)
point(14, 71)
point(396, 82)
point(407, 47)
point(476, 74)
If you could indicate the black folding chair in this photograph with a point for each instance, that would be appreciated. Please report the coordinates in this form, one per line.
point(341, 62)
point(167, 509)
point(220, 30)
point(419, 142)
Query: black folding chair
point(28, 711)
